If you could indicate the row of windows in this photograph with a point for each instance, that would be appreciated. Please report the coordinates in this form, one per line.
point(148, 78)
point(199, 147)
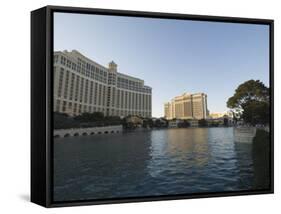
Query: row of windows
point(83, 67)
point(133, 88)
point(100, 75)
point(79, 87)
point(131, 85)
point(130, 100)
point(75, 109)
point(185, 109)
point(90, 92)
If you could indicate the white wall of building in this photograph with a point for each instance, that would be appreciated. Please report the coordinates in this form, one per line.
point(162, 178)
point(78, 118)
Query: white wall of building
point(82, 85)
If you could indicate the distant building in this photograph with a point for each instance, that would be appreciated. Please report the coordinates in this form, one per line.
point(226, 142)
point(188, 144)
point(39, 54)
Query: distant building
point(134, 120)
point(82, 85)
point(174, 123)
point(216, 115)
point(187, 106)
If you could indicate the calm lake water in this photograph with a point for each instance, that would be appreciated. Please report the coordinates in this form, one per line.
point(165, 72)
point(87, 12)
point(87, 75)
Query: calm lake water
point(158, 162)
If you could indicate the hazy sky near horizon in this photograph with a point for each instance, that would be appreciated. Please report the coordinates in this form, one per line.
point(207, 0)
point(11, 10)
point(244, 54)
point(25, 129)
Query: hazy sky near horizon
point(171, 56)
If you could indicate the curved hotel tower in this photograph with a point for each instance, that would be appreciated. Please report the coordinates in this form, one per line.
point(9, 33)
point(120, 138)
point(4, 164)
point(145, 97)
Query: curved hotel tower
point(187, 106)
point(82, 85)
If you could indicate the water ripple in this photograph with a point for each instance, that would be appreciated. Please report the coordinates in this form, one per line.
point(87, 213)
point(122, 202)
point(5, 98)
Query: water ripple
point(159, 162)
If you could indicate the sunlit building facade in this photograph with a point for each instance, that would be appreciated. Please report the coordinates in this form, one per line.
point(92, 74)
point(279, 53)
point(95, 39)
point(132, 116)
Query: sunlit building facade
point(187, 106)
point(82, 85)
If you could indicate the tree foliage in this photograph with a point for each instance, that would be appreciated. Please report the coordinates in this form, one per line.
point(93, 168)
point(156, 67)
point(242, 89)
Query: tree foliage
point(184, 124)
point(90, 117)
point(95, 119)
point(252, 90)
point(256, 112)
point(251, 102)
point(202, 123)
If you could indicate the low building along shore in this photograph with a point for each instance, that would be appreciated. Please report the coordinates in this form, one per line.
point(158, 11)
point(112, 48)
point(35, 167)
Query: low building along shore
point(87, 131)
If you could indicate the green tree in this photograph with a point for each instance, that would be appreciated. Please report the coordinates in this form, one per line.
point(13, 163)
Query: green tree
point(90, 117)
point(225, 121)
point(150, 123)
point(256, 112)
point(63, 121)
point(184, 124)
point(202, 123)
point(250, 102)
point(157, 123)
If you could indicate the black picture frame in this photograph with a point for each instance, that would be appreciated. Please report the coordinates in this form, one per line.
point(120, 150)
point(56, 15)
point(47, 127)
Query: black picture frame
point(42, 102)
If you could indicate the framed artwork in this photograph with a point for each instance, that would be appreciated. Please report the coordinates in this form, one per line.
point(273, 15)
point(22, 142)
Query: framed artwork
point(132, 106)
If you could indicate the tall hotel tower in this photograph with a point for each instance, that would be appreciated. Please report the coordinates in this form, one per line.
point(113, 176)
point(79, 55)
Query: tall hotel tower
point(82, 85)
point(187, 106)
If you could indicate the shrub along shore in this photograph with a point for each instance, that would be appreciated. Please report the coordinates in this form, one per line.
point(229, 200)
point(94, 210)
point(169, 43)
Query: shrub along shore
point(261, 159)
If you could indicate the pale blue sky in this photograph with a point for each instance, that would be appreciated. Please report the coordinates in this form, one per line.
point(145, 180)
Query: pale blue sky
point(172, 56)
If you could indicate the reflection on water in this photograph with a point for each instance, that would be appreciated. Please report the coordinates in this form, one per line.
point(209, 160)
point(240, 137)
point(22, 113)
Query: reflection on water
point(158, 162)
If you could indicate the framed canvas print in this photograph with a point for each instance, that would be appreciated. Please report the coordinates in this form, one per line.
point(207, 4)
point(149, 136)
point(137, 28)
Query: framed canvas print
point(134, 106)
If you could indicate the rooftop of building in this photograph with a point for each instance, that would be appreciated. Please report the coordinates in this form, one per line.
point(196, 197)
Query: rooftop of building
point(74, 54)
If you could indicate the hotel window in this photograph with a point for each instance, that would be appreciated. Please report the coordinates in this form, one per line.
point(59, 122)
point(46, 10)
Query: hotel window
point(64, 106)
point(63, 60)
point(75, 108)
point(77, 88)
point(58, 106)
point(68, 64)
point(66, 84)
point(81, 89)
point(60, 82)
point(74, 66)
point(147, 102)
point(129, 100)
point(79, 108)
point(126, 99)
point(137, 101)
point(118, 99)
point(86, 91)
point(133, 101)
point(122, 99)
point(92, 71)
point(113, 97)
point(83, 67)
point(71, 86)
point(91, 92)
point(100, 88)
point(79, 66)
point(143, 101)
point(96, 93)
point(103, 94)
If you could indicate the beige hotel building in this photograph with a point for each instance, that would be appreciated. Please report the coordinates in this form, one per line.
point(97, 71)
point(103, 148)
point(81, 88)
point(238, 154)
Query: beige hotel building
point(187, 106)
point(82, 85)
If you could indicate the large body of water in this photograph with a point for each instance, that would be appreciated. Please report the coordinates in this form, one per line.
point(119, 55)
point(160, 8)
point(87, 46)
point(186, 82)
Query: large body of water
point(151, 163)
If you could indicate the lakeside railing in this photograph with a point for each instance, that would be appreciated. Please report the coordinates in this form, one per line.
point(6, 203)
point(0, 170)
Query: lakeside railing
point(245, 134)
point(87, 131)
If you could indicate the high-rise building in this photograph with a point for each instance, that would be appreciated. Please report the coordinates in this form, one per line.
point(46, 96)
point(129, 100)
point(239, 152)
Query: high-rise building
point(82, 85)
point(187, 106)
